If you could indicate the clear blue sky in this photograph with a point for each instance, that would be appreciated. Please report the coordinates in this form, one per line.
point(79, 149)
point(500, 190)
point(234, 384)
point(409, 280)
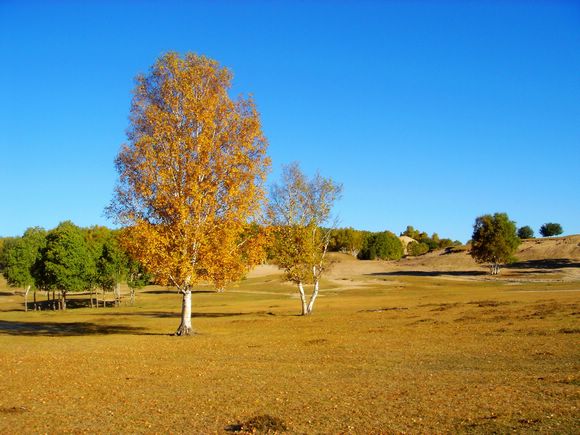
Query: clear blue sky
point(430, 113)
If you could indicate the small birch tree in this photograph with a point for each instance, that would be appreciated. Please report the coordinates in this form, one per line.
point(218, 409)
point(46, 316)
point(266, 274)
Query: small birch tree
point(298, 210)
point(191, 176)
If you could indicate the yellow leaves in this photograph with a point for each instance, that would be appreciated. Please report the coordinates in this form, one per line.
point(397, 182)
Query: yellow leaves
point(192, 174)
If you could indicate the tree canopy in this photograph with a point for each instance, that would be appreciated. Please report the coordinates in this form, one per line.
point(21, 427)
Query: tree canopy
point(66, 263)
point(551, 229)
point(191, 175)
point(525, 232)
point(19, 256)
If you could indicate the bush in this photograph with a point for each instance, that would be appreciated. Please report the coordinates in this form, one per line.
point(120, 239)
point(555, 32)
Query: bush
point(525, 233)
point(384, 246)
point(415, 248)
point(551, 229)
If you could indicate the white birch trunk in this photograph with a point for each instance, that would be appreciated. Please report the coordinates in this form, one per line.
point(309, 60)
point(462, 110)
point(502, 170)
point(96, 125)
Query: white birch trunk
point(313, 298)
point(117, 292)
point(185, 326)
point(302, 298)
point(26, 298)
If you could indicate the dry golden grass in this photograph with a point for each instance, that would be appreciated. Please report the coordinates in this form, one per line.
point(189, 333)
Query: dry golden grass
point(389, 349)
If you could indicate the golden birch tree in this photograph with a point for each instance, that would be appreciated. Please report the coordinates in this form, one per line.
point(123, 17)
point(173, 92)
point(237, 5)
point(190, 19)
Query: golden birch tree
point(297, 212)
point(191, 175)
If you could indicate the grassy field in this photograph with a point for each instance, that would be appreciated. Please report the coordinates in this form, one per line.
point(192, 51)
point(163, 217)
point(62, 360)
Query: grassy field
point(390, 348)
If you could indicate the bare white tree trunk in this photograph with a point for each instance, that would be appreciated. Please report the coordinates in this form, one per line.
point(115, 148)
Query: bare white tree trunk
point(26, 298)
point(117, 293)
point(185, 326)
point(313, 298)
point(302, 298)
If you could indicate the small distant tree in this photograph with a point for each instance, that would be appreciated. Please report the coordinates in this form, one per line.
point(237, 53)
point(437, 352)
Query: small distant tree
point(525, 232)
point(494, 240)
point(298, 210)
point(551, 229)
point(19, 256)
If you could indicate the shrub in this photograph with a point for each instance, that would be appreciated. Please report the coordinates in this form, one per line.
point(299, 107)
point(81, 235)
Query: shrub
point(417, 248)
point(384, 246)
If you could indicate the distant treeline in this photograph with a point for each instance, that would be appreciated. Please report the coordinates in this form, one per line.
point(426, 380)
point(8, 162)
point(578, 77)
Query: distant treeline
point(385, 245)
point(68, 259)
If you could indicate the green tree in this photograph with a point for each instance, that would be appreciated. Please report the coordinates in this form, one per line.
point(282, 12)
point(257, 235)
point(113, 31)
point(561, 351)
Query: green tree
point(494, 240)
point(297, 211)
point(551, 229)
point(383, 245)
point(96, 237)
point(112, 267)
point(525, 232)
point(19, 256)
point(66, 263)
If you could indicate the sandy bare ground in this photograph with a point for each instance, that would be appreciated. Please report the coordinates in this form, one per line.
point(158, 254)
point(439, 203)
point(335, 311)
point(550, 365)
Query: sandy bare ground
point(538, 260)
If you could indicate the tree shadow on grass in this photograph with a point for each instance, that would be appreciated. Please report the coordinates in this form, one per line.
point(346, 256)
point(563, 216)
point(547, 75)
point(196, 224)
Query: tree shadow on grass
point(165, 314)
point(175, 292)
point(553, 263)
point(66, 329)
point(430, 273)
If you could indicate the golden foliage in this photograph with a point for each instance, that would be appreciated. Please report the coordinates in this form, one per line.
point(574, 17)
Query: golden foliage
point(298, 209)
point(191, 176)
